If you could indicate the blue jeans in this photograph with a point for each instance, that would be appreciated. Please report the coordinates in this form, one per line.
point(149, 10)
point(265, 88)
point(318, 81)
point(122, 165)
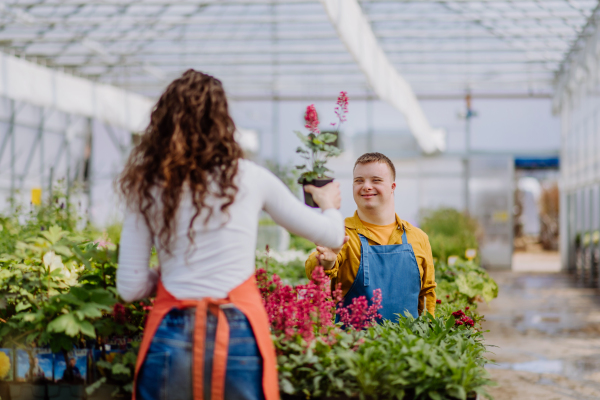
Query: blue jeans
point(167, 370)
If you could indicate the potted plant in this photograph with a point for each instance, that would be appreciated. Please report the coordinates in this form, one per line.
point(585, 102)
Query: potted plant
point(318, 147)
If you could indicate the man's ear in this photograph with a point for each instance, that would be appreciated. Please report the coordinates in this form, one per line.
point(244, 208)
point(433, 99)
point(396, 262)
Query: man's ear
point(393, 186)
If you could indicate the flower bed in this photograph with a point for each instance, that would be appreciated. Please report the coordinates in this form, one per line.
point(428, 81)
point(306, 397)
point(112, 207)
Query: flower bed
point(422, 358)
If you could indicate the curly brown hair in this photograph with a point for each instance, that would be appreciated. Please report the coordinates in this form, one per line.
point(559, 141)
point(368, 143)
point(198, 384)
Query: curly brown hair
point(189, 141)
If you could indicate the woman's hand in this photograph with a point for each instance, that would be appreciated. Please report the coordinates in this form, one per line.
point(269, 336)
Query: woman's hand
point(328, 196)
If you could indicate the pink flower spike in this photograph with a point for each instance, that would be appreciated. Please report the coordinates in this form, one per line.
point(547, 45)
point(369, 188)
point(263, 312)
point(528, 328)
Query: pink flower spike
point(312, 119)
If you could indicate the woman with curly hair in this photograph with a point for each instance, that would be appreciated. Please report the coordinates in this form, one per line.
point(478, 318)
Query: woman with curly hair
point(190, 193)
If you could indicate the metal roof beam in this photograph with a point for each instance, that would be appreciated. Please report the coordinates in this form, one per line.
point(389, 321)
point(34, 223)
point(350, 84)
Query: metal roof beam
point(245, 19)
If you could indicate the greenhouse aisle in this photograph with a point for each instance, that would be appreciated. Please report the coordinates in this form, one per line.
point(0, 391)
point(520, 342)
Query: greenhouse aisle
point(547, 331)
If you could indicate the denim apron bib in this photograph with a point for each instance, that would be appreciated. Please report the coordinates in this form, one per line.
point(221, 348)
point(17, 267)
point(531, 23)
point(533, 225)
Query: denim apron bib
point(393, 269)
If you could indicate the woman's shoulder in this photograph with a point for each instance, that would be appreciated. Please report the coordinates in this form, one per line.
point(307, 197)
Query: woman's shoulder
point(251, 169)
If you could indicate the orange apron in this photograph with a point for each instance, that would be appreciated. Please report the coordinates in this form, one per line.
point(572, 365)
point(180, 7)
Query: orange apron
point(247, 299)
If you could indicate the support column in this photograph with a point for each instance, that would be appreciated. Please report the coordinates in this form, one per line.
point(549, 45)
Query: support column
point(13, 172)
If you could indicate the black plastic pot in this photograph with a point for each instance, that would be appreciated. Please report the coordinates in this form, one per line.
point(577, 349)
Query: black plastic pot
point(308, 200)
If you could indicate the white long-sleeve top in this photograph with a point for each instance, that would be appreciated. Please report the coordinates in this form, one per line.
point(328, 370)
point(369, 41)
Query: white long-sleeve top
point(222, 256)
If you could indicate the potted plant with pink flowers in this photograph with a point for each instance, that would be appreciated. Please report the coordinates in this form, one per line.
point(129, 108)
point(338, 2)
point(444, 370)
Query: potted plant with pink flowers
point(318, 147)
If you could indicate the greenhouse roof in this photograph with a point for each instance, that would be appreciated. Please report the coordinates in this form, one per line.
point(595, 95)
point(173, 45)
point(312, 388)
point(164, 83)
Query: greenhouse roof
point(263, 49)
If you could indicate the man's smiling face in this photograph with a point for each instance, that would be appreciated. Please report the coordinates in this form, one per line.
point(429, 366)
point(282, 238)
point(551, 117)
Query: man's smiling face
point(373, 185)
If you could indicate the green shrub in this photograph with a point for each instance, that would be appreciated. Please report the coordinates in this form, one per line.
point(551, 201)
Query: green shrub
point(465, 282)
point(424, 358)
point(450, 232)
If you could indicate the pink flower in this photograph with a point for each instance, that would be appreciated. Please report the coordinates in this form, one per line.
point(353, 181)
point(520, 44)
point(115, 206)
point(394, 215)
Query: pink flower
point(312, 119)
point(150, 307)
point(102, 243)
point(342, 106)
point(360, 314)
point(306, 310)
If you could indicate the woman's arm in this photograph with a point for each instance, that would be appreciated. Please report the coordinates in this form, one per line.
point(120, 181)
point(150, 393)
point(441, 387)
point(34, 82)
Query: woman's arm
point(135, 279)
point(324, 228)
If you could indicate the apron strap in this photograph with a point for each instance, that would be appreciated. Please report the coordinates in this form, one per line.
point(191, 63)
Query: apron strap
point(364, 258)
point(220, 356)
point(198, 351)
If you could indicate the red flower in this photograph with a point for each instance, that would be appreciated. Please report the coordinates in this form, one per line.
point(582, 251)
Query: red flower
point(438, 301)
point(119, 313)
point(359, 314)
point(458, 314)
point(466, 308)
point(312, 119)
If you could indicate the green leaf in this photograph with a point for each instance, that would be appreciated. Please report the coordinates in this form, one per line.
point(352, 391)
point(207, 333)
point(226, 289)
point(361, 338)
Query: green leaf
point(103, 297)
point(54, 234)
point(22, 306)
point(303, 138)
point(66, 323)
point(327, 137)
point(95, 386)
point(91, 310)
point(64, 250)
point(80, 293)
point(87, 329)
point(120, 369)
point(104, 364)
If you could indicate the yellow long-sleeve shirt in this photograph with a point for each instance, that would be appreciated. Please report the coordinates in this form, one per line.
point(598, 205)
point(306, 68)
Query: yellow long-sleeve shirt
point(348, 259)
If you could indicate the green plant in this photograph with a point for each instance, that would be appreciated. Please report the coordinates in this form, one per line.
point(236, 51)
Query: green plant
point(450, 232)
point(423, 358)
point(117, 371)
point(465, 282)
point(318, 147)
point(57, 283)
point(289, 265)
point(300, 243)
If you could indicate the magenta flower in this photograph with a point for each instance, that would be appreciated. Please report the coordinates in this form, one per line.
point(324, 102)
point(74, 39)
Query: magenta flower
point(311, 118)
point(360, 314)
point(342, 106)
point(309, 310)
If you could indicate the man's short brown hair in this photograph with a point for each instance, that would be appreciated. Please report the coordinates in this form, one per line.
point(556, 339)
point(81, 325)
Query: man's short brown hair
point(368, 158)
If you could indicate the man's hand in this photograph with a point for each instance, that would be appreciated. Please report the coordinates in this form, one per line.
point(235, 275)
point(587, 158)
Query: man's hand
point(327, 256)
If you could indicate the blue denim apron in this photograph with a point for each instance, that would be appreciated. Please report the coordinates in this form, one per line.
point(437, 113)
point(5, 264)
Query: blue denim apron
point(392, 268)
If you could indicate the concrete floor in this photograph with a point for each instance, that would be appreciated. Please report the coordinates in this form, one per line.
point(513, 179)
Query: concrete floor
point(547, 333)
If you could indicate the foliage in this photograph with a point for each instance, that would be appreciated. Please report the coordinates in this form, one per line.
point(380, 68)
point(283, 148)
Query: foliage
point(423, 358)
point(57, 282)
point(317, 147)
point(450, 232)
point(287, 265)
point(118, 370)
point(464, 281)
point(300, 243)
